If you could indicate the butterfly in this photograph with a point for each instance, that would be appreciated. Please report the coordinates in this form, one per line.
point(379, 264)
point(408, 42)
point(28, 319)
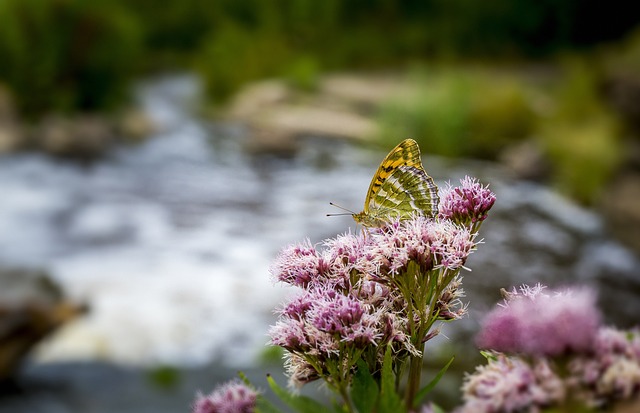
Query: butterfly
point(399, 189)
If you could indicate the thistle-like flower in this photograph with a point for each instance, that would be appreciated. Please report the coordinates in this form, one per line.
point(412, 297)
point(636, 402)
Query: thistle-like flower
point(536, 323)
point(467, 204)
point(359, 294)
point(376, 293)
point(611, 372)
point(230, 397)
point(510, 384)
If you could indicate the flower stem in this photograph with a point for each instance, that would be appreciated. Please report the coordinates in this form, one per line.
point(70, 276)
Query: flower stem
point(415, 372)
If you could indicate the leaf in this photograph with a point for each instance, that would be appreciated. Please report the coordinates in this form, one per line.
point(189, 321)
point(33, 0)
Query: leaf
point(364, 389)
point(390, 402)
point(426, 389)
point(489, 355)
point(302, 404)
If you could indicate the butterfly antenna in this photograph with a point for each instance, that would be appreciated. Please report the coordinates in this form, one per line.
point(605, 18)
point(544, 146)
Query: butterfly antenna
point(349, 212)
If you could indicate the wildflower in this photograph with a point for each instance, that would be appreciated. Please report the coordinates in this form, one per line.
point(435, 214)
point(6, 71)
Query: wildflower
point(449, 305)
point(535, 323)
point(467, 204)
point(297, 264)
point(362, 293)
point(509, 384)
point(612, 371)
point(430, 244)
point(230, 397)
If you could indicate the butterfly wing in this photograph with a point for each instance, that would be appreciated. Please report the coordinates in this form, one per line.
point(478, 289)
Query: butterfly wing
point(400, 187)
point(406, 153)
point(407, 190)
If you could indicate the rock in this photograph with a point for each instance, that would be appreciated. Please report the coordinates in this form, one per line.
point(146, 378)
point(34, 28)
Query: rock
point(11, 138)
point(366, 91)
point(31, 308)
point(277, 115)
point(256, 97)
point(82, 136)
point(135, 125)
point(621, 207)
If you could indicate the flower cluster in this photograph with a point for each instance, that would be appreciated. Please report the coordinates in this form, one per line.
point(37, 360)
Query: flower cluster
point(355, 292)
point(365, 297)
point(565, 358)
point(468, 203)
point(510, 384)
point(532, 322)
point(230, 397)
point(611, 371)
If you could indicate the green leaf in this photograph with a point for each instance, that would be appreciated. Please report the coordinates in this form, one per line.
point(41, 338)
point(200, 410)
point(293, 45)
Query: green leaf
point(489, 355)
point(390, 402)
point(426, 389)
point(364, 389)
point(302, 404)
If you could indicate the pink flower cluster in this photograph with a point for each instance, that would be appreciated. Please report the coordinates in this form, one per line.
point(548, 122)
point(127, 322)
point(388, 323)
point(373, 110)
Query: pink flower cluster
point(230, 397)
point(611, 371)
point(349, 299)
point(510, 384)
point(532, 322)
point(563, 356)
point(469, 203)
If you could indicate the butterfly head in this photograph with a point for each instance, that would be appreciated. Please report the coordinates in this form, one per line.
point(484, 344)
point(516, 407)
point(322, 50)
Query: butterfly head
point(367, 220)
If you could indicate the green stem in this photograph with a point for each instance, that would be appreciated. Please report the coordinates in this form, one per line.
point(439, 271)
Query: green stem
point(413, 385)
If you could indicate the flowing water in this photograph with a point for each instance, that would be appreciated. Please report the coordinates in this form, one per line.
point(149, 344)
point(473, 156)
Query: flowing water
point(170, 241)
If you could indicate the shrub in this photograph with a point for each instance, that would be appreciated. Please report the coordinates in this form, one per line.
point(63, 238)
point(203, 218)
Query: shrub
point(461, 114)
point(66, 55)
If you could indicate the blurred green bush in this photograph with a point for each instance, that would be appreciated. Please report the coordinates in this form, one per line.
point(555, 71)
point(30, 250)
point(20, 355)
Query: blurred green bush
point(457, 112)
point(582, 136)
point(64, 55)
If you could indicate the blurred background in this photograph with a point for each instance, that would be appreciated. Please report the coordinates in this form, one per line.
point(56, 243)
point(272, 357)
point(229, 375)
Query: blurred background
point(155, 158)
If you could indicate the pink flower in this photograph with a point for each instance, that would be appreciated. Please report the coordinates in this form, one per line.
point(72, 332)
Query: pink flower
point(467, 204)
point(509, 384)
point(298, 264)
point(535, 323)
point(230, 397)
point(612, 371)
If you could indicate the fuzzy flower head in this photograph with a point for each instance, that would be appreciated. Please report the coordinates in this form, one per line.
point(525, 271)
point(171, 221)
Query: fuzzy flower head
point(537, 323)
point(612, 371)
point(429, 244)
point(467, 204)
point(509, 384)
point(230, 397)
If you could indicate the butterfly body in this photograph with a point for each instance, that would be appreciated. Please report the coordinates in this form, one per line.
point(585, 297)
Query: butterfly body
point(400, 188)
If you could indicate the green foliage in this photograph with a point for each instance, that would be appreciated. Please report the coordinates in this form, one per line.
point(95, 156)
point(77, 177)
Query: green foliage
point(389, 400)
point(271, 355)
point(80, 54)
point(303, 73)
point(301, 404)
point(582, 137)
point(432, 384)
point(164, 377)
point(461, 113)
point(364, 389)
point(67, 54)
point(234, 56)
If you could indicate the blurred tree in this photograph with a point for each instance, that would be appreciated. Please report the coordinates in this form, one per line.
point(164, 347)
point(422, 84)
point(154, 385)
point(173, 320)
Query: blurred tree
point(63, 55)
